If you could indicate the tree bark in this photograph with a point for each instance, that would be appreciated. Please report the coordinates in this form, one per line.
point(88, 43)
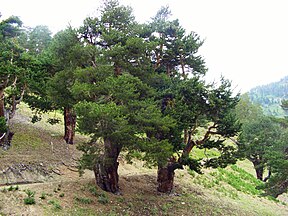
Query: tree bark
point(69, 125)
point(185, 139)
point(106, 168)
point(118, 70)
point(6, 139)
point(165, 178)
point(259, 168)
point(2, 105)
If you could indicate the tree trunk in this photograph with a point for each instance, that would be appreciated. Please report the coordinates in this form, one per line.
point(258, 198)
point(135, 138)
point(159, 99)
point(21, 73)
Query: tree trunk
point(69, 125)
point(118, 70)
point(259, 168)
point(6, 139)
point(268, 176)
point(106, 168)
point(165, 178)
point(168, 70)
point(2, 105)
point(182, 66)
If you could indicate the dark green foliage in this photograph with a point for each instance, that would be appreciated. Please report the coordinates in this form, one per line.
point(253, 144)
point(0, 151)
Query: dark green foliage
point(263, 141)
point(277, 157)
point(17, 68)
point(196, 105)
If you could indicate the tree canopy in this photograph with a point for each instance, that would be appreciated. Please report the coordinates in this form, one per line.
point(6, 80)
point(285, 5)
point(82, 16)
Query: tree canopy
point(136, 89)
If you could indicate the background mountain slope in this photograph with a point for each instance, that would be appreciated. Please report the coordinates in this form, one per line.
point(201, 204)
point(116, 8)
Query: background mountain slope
point(269, 96)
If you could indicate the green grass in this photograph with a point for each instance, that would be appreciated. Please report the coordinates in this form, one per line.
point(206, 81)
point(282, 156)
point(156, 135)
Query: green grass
point(26, 139)
point(202, 153)
point(56, 205)
point(83, 200)
point(237, 178)
point(224, 191)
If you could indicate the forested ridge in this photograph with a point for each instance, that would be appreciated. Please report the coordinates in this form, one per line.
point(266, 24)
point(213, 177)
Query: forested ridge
point(127, 92)
point(270, 96)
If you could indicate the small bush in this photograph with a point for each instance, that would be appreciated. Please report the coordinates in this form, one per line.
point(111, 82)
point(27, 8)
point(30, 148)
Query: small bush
point(29, 201)
point(61, 195)
point(43, 196)
point(30, 193)
point(11, 188)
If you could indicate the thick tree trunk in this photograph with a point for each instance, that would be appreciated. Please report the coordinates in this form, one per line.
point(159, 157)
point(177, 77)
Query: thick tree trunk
point(259, 168)
point(165, 178)
point(5, 138)
point(69, 125)
point(106, 168)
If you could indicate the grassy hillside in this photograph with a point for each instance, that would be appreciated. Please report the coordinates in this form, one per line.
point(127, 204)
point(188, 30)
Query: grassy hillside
point(49, 167)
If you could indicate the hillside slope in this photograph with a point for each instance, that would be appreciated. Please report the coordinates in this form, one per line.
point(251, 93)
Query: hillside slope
point(40, 163)
point(269, 96)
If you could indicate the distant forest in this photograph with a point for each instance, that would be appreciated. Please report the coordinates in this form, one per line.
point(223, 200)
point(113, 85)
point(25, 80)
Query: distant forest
point(269, 96)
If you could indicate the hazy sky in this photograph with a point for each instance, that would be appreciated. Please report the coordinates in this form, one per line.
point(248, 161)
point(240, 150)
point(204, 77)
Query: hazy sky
point(246, 41)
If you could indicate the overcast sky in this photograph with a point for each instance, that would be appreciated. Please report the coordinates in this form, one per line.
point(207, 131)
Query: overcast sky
point(246, 41)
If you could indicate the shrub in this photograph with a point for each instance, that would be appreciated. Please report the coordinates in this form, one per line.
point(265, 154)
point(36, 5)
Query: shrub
point(29, 201)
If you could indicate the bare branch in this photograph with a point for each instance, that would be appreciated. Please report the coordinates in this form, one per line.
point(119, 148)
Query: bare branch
point(15, 81)
point(2, 136)
point(207, 134)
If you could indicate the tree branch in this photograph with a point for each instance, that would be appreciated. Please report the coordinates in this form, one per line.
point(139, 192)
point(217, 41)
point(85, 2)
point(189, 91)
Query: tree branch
point(207, 134)
point(2, 136)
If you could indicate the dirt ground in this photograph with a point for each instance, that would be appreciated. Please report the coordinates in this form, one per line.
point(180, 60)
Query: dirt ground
point(40, 161)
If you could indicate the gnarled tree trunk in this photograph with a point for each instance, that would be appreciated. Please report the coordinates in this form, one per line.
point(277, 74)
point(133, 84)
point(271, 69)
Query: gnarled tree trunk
point(69, 125)
point(6, 138)
point(259, 168)
point(106, 168)
point(165, 178)
point(165, 175)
